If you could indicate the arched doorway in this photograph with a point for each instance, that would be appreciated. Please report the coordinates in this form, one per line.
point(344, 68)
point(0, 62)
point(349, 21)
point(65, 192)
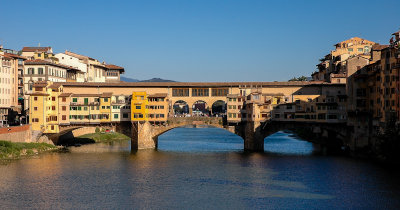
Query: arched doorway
point(200, 108)
point(218, 108)
point(180, 108)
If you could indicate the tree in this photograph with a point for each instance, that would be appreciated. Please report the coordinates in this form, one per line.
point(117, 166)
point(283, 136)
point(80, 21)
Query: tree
point(302, 78)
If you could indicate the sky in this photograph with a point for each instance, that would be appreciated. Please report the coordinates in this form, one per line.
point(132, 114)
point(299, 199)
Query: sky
point(199, 40)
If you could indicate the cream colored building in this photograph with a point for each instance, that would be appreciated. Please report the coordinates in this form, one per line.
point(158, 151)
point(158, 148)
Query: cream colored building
point(96, 71)
point(8, 86)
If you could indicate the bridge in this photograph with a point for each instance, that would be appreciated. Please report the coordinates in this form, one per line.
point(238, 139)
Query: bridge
point(144, 135)
point(253, 110)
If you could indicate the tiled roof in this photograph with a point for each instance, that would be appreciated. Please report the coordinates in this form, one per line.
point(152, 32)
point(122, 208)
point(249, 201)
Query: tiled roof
point(40, 84)
point(86, 95)
point(38, 94)
point(106, 95)
point(379, 47)
point(65, 94)
point(158, 95)
point(15, 56)
point(44, 62)
point(114, 67)
point(193, 84)
point(54, 86)
point(273, 94)
point(36, 49)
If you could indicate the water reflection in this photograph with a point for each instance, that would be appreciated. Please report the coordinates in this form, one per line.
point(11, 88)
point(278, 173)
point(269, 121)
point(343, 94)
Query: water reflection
point(283, 143)
point(109, 176)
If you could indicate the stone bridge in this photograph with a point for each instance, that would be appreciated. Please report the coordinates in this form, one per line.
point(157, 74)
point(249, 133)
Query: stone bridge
point(144, 135)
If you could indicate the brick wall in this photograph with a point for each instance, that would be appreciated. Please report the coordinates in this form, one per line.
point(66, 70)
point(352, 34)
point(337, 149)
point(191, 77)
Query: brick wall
point(16, 133)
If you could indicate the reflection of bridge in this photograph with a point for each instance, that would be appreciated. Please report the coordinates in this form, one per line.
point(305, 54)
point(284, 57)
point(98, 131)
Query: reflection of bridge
point(144, 135)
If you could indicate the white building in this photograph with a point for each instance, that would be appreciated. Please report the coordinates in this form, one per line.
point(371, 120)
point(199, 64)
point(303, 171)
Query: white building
point(75, 62)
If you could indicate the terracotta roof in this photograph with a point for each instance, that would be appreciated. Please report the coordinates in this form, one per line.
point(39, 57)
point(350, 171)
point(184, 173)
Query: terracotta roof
point(114, 67)
point(158, 95)
point(85, 95)
point(36, 49)
point(273, 94)
point(54, 86)
point(379, 47)
point(40, 84)
point(44, 62)
point(15, 56)
point(38, 94)
point(106, 95)
point(193, 84)
point(65, 94)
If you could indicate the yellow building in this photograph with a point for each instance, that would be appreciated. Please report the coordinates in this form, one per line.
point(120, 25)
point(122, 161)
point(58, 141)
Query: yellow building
point(39, 53)
point(353, 46)
point(105, 107)
point(158, 107)
point(139, 102)
point(44, 107)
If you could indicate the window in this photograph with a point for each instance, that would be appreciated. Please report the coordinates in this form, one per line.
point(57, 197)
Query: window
point(75, 100)
point(64, 117)
point(180, 92)
point(35, 98)
point(116, 116)
point(138, 107)
point(64, 108)
point(350, 49)
point(64, 99)
point(219, 91)
point(125, 115)
point(360, 49)
point(53, 98)
point(40, 70)
point(106, 100)
point(53, 108)
point(86, 101)
point(35, 108)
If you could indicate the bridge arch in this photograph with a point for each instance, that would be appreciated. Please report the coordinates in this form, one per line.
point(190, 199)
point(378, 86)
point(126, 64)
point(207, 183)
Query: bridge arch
point(218, 108)
point(180, 107)
point(200, 108)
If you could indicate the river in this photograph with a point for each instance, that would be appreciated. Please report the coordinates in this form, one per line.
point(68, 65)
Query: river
point(197, 168)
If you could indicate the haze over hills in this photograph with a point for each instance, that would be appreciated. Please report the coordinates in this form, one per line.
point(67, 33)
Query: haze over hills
point(127, 79)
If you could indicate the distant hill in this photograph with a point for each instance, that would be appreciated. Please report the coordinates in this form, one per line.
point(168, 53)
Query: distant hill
point(157, 80)
point(127, 79)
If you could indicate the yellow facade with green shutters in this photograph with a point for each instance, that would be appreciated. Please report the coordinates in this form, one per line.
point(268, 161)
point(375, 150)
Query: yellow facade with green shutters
point(43, 108)
point(139, 109)
point(105, 108)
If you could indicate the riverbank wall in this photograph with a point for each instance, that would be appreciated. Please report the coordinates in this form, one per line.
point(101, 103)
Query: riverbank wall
point(16, 133)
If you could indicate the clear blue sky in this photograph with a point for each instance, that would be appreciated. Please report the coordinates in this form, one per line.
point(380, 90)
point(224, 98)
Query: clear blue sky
point(204, 40)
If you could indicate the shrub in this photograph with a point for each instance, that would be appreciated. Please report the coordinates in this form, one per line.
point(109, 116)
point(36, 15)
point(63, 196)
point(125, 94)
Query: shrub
point(97, 130)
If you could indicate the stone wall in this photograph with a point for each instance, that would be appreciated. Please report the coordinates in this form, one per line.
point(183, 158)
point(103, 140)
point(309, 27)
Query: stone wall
point(16, 133)
point(83, 131)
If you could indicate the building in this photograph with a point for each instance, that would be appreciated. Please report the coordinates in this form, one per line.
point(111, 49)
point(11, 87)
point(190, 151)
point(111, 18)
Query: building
point(43, 70)
point(96, 71)
point(349, 56)
point(39, 53)
point(44, 106)
point(113, 73)
point(8, 88)
point(74, 62)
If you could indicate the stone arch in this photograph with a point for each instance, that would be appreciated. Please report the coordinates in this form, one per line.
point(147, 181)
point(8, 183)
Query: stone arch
point(200, 108)
point(331, 135)
point(218, 107)
point(180, 107)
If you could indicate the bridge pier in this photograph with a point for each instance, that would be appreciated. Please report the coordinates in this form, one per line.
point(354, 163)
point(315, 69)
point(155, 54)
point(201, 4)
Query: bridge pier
point(142, 136)
point(253, 137)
